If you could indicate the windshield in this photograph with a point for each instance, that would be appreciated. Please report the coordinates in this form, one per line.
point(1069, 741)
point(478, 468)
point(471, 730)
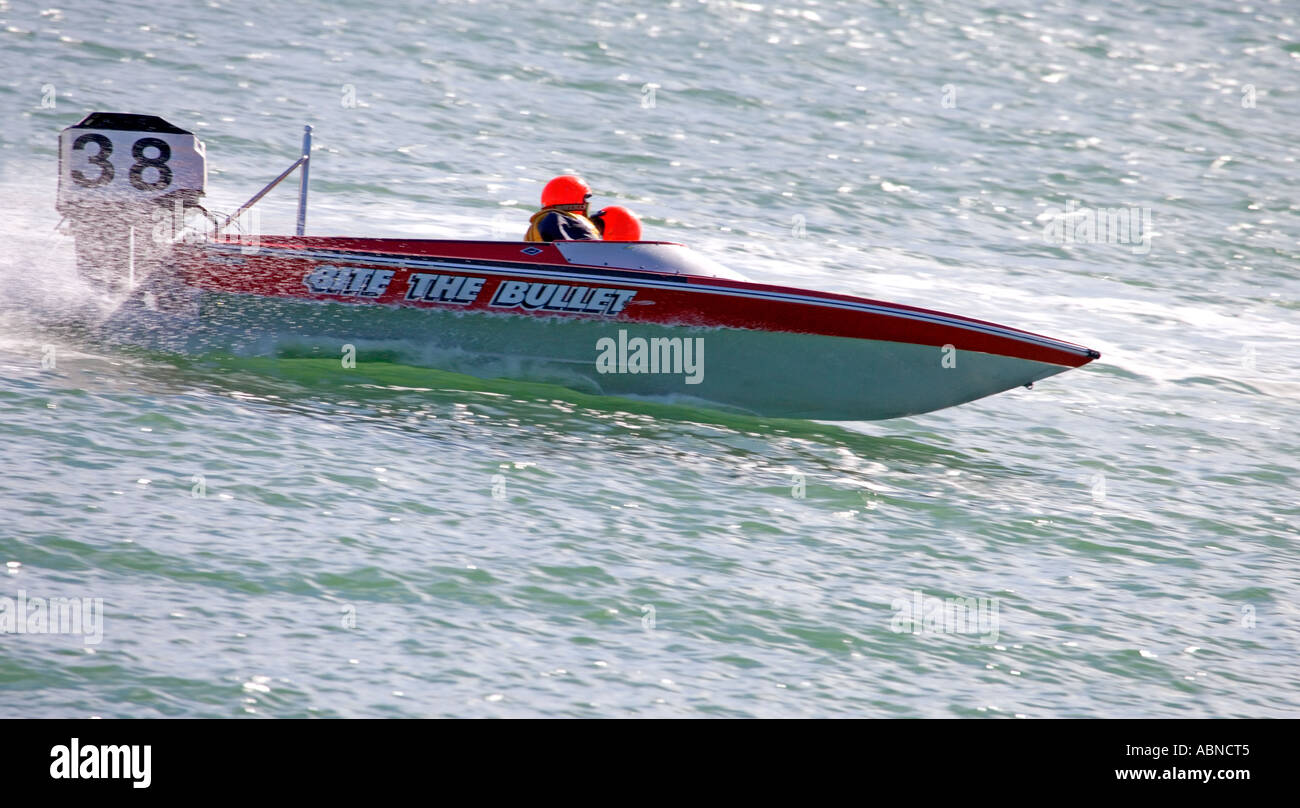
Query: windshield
point(657, 257)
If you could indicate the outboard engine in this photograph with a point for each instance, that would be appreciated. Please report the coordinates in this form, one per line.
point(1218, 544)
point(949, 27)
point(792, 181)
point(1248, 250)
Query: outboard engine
point(126, 183)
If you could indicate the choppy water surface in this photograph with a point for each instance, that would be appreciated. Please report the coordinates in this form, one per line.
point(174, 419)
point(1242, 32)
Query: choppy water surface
point(286, 538)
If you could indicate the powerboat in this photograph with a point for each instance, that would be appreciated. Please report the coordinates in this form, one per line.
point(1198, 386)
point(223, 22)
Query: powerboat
point(643, 319)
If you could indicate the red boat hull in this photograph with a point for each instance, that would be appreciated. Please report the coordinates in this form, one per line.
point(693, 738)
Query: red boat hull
point(772, 350)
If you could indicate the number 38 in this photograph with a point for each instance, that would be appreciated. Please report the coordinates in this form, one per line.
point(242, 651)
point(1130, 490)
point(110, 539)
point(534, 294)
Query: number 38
point(106, 172)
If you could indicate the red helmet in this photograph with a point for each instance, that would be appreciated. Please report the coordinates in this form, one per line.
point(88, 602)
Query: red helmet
point(566, 192)
point(617, 223)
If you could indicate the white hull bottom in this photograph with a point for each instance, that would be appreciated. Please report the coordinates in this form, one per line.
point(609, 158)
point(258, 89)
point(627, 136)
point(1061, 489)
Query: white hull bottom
point(772, 374)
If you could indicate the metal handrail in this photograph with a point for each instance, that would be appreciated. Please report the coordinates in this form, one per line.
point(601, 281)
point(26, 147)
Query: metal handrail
point(304, 161)
point(302, 184)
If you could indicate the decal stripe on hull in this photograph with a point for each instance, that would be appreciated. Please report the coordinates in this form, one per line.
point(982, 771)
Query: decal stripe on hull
point(786, 310)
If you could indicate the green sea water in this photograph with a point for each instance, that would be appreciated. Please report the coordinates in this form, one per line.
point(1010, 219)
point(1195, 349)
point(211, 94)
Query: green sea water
point(279, 536)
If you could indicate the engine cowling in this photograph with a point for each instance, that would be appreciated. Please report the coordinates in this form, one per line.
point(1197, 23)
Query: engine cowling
point(120, 174)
